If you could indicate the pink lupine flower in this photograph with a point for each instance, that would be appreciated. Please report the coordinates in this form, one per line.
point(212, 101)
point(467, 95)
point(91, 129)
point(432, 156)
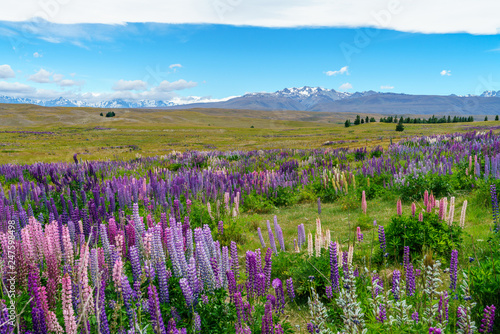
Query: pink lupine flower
point(68, 246)
point(399, 208)
point(69, 316)
point(117, 274)
point(363, 202)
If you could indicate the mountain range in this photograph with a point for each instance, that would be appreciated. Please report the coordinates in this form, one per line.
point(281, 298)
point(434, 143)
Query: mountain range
point(312, 99)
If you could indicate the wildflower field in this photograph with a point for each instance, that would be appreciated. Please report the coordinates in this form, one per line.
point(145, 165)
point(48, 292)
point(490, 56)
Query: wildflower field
point(401, 237)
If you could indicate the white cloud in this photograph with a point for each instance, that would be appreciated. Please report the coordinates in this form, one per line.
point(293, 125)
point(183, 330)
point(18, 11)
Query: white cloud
point(345, 86)
point(122, 85)
point(445, 73)
point(166, 86)
point(175, 66)
point(42, 76)
point(343, 70)
point(387, 87)
point(57, 77)
point(37, 55)
point(6, 72)
point(15, 88)
point(70, 83)
point(476, 17)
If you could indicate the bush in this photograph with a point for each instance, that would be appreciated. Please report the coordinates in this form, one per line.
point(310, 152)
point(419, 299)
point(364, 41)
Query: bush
point(414, 187)
point(256, 203)
point(484, 283)
point(300, 267)
point(433, 233)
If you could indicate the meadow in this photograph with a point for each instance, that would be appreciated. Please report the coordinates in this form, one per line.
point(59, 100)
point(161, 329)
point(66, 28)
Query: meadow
point(197, 222)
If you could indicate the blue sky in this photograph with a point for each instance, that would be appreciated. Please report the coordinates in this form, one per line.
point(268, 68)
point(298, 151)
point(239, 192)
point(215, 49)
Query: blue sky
point(190, 62)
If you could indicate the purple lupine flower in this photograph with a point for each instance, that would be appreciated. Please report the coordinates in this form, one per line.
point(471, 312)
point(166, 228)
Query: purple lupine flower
point(278, 329)
point(215, 269)
point(272, 242)
point(381, 239)
point(202, 256)
point(279, 233)
point(280, 294)
point(268, 267)
point(453, 270)
point(289, 289)
point(251, 271)
point(220, 227)
point(310, 328)
point(197, 323)
point(378, 285)
point(442, 312)
point(187, 292)
point(136, 264)
point(238, 303)
point(163, 282)
point(345, 264)
point(235, 264)
point(406, 257)
point(329, 292)
point(488, 319)
point(204, 299)
point(414, 316)
point(359, 234)
point(224, 265)
point(154, 311)
point(396, 277)
point(193, 277)
point(410, 280)
point(382, 314)
point(334, 266)
point(267, 319)
point(104, 327)
point(435, 330)
point(262, 243)
point(231, 283)
point(258, 260)
point(128, 299)
point(494, 206)
point(172, 326)
point(260, 284)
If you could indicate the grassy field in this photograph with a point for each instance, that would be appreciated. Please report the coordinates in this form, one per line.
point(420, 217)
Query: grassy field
point(149, 132)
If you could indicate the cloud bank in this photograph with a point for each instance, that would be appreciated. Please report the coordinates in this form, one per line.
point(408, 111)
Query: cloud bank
point(425, 16)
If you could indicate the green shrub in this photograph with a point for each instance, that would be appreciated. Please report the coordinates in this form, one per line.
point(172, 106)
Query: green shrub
point(433, 233)
point(256, 203)
point(484, 283)
point(414, 187)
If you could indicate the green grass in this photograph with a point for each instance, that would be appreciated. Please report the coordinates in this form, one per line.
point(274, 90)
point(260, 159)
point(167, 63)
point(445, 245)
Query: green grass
point(157, 132)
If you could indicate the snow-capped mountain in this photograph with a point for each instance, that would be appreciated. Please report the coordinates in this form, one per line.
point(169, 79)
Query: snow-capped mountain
point(308, 99)
point(491, 93)
point(62, 102)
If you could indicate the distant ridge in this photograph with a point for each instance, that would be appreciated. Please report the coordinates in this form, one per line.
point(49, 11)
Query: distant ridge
point(311, 99)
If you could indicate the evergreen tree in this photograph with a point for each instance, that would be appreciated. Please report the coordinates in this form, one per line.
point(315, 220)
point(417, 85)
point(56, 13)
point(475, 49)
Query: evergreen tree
point(496, 118)
point(486, 119)
point(400, 126)
point(347, 123)
point(357, 121)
